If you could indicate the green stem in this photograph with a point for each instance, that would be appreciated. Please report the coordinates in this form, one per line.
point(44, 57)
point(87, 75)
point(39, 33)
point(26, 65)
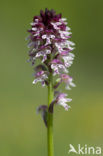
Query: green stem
point(50, 119)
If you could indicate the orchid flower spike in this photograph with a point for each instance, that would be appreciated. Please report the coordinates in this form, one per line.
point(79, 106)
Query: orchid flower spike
point(50, 51)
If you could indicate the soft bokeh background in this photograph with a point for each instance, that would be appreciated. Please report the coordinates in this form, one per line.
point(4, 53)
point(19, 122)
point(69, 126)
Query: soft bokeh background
point(22, 132)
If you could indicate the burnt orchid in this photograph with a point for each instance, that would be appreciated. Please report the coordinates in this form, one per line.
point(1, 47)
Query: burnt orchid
point(50, 53)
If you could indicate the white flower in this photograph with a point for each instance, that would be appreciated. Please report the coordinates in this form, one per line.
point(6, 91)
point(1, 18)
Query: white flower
point(70, 84)
point(62, 100)
point(58, 68)
point(48, 38)
point(43, 54)
point(56, 24)
point(64, 34)
point(63, 19)
point(68, 60)
point(41, 76)
point(68, 81)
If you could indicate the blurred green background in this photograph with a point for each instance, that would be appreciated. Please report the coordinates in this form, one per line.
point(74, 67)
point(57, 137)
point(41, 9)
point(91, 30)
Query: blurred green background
point(22, 132)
